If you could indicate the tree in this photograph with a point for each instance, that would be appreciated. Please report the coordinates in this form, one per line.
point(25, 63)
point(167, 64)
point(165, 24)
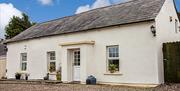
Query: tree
point(17, 25)
point(179, 15)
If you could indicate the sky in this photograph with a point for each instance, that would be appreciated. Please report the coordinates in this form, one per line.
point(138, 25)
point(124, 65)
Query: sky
point(45, 10)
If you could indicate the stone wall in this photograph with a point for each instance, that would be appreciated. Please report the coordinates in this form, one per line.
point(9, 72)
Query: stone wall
point(2, 67)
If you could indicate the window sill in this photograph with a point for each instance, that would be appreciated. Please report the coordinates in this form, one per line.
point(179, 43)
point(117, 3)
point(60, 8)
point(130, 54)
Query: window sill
point(23, 72)
point(116, 73)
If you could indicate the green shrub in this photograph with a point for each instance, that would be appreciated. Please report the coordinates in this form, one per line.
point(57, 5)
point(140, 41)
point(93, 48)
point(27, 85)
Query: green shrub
point(58, 76)
point(112, 68)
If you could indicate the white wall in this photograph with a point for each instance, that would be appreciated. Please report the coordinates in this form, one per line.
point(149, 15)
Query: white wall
point(137, 45)
point(165, 32)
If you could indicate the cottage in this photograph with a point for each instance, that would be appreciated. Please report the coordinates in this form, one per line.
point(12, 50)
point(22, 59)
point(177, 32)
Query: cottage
point(116, 44)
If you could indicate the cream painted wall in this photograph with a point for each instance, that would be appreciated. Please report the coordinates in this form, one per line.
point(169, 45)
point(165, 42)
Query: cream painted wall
point(165, 32)
point(137, 45)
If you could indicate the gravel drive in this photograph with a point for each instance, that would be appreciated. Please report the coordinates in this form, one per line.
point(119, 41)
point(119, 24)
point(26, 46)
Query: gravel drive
point(79, 87)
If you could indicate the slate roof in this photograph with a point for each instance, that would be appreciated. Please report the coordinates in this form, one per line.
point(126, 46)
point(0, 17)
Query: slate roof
point(124, 13)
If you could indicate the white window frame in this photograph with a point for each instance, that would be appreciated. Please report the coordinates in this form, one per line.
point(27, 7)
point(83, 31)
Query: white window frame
point(23, 61)
point(51, 58)
point(112, 58)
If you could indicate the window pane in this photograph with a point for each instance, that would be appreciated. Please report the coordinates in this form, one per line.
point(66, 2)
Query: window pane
point(52, 67)
point(117, 49)
point(52, 55)
point(116, 54)
point(76, 61)
point(24, 66)
point(24, 56)
point(113, 51)
point(114, 62)
point(110, 54)
point(110, 50)
point(52, 58)
point(78, 55)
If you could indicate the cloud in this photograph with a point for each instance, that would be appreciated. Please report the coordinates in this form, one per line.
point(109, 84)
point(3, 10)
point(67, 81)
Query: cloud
point(7, 11)
point(46, 2)
point(83, 9)
point(98, 4)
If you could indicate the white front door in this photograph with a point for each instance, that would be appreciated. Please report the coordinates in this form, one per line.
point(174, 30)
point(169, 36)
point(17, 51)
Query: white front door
point(76, 65)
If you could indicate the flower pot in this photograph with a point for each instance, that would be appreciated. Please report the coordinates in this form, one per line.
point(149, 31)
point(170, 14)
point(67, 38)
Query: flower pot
point(18, 77)
point(58, 76)
point(52, 76)
point(26, 78)
point(112, 71)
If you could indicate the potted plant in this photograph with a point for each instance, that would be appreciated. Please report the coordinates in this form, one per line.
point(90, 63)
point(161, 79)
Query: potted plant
point(112, 68)
point(4, 77)
point(46, 77)
point(52, 68)
point(18, 75)
point(58, 75)
point(52, 72)
point(26, 76)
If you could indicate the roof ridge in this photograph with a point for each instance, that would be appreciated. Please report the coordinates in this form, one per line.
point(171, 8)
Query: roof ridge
point(108, 6)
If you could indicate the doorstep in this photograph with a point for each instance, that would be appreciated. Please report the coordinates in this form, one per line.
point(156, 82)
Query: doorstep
point(74, 82)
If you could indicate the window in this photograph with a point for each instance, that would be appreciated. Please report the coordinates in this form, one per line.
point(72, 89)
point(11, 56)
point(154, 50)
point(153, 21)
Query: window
point(23, 61)
point(51, 61)
point(52, 56)
point(176, 25)
point(77, 58)
point(113, 57)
